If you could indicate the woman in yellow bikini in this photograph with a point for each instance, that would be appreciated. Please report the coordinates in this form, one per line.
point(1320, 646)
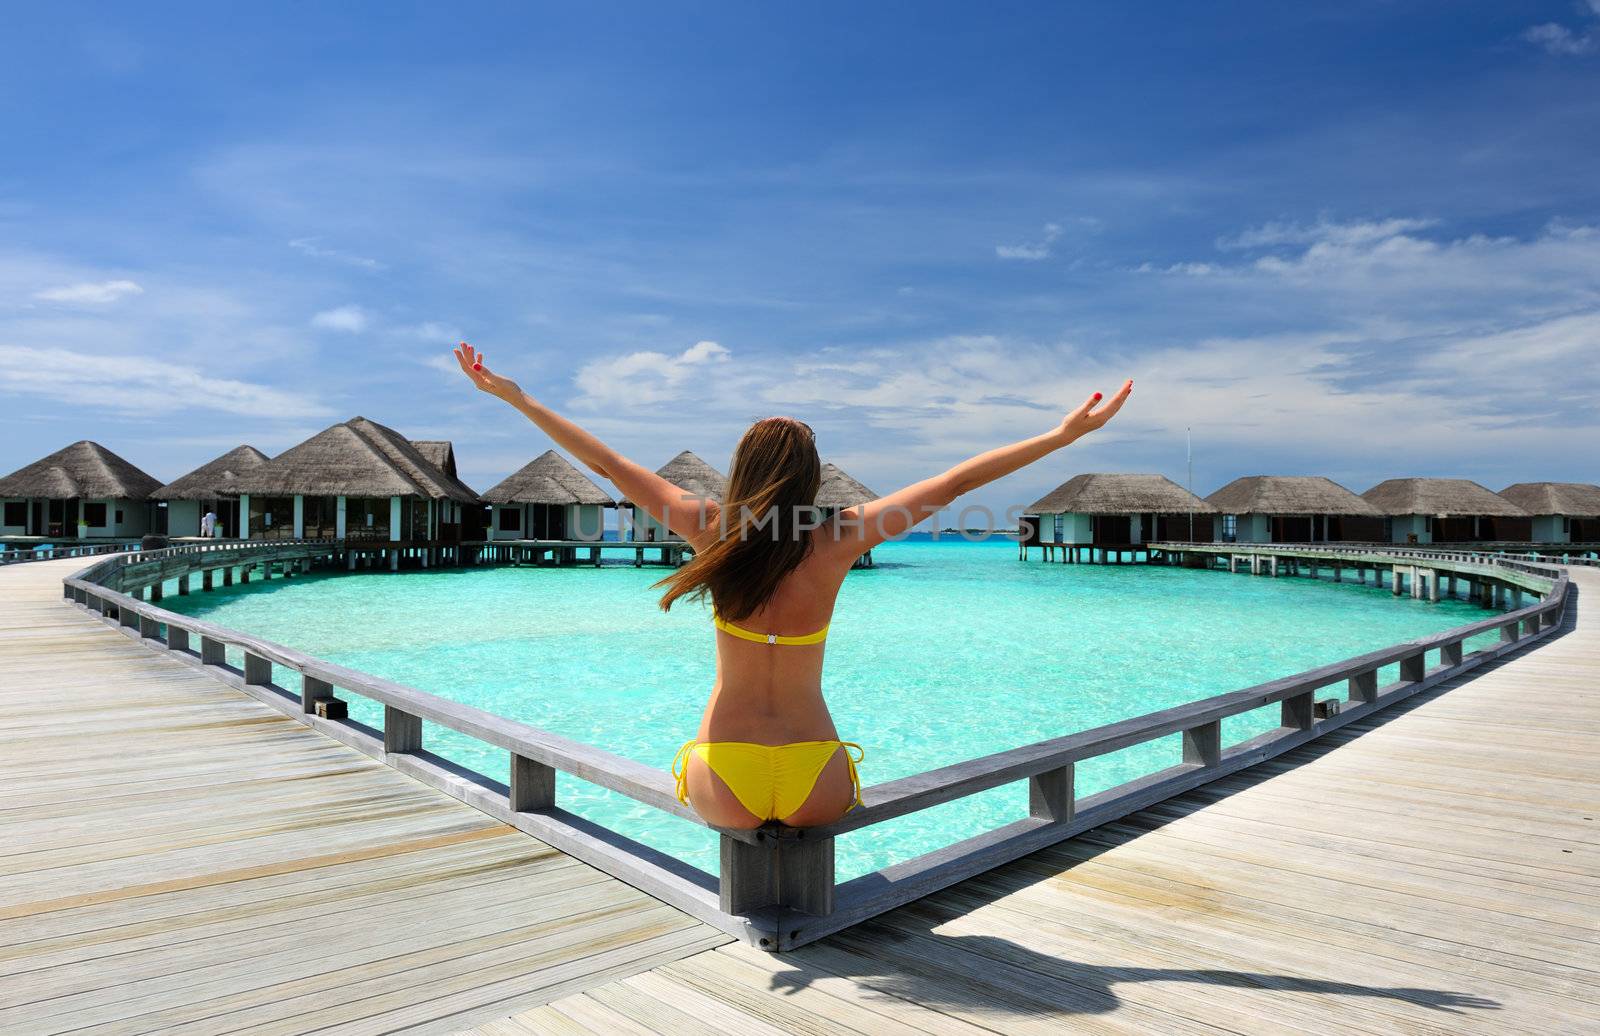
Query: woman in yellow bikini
point(767, 749)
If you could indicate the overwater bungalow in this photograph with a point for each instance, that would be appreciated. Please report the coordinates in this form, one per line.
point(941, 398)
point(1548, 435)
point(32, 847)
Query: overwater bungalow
point(441, 453)
point(839, 491)
point(695, 477)
point(1112, 511)
point(548, 499)
point(83, 491)
point(1445, 510)
point(1292, 509)
point(210, 487)
point(358, 481)
point(1561, 512)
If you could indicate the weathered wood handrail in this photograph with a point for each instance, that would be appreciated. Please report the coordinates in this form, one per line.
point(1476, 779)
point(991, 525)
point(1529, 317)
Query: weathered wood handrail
point(1586, 557)
point(777, 886)
point(17, 553)
point(646, 784)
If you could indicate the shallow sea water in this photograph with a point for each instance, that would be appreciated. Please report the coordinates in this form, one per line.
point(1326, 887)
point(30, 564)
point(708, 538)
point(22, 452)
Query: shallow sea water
point(946, 650)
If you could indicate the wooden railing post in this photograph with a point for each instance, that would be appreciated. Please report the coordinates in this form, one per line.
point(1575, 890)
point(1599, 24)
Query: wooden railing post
point(1364, 686)
point(149, 628)
point(749, 875)
point(402, 732)
point(313, 690)
point(1509, 632)
point(1297, 711)
point(805, 874)
point(1051, 795)
point(128, 617)
point(177, 638)
point(213, 651)
point(1202, 745)
point(257, 670)
point(1414, 667)
point(533, 785)
point(792, 870)
point(1450, 654)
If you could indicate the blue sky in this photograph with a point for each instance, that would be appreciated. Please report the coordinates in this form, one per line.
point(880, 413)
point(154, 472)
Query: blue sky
point(1360, 240)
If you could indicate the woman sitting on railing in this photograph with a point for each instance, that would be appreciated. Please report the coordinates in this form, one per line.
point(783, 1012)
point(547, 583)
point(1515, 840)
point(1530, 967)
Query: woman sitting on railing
point(767, 748)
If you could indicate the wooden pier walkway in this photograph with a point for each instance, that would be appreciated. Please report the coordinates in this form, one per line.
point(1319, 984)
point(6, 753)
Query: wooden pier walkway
point(1432, 870)
point(177, 857)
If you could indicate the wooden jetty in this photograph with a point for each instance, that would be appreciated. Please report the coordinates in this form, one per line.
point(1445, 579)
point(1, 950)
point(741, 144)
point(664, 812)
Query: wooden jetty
point(567, 552)
point(1433, 869)
point(1417, 861)
point(178, 857)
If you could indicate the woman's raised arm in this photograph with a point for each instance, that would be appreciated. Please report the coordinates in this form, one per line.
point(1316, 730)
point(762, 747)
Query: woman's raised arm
point(867, 525)
point(688, 516)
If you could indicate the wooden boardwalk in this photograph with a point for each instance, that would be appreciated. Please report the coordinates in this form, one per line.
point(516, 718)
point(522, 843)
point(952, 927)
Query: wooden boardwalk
point(1433, 870)
point(177, 857)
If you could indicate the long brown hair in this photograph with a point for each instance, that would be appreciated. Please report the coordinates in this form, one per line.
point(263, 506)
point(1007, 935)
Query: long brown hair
point(764, 532)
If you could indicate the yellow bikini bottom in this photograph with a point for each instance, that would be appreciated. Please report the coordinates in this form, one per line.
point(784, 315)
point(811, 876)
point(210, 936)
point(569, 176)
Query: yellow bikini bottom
point(771, 781)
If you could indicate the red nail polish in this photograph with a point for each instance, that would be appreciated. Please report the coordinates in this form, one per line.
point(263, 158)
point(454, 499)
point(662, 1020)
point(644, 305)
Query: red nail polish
point(477, 366)
point(1097, 395)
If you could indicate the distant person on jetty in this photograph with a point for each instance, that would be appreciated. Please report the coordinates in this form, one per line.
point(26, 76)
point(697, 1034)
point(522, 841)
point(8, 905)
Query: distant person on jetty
point(767, 748)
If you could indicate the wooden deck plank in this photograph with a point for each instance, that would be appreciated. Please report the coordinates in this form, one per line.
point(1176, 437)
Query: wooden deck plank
point(178, 857)
point(1433, 870)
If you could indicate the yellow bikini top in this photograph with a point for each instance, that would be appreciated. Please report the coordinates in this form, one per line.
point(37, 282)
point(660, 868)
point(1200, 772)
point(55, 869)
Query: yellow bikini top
point(768, 638)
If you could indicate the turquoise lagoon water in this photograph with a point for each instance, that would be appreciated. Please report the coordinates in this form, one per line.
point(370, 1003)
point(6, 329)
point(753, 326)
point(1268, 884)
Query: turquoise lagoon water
point(946, 650)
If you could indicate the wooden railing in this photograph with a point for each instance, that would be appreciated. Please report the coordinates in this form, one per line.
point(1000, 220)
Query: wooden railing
point(16, 553)
point(776, 886)
point(1460, 553)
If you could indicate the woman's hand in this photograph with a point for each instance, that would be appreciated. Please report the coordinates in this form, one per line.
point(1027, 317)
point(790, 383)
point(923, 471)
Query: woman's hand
point(1093, 414)
point(477, 371)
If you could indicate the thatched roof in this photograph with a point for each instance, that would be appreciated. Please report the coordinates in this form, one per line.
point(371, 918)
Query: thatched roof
point(85, 470)
point(216, 478)
point(840, 490)
point(694, 476)
point(441, 453)
point(1120, 494)
point(54, 483)
point(1440, 497)
point(1288, 495)
point(1572, 499)
point(548, 479)
point(355, 458)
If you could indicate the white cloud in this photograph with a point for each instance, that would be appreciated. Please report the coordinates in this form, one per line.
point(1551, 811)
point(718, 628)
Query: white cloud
point(311, 246)
point(1416, 355)
point(1391, 269)
point(646, 377)
point(434, 331)
point(141, 387)
point(1032, 250)
point(1558, 39)
point(1324, 230)
point(1181, 269)
point(98, 293)
point(350, 319)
